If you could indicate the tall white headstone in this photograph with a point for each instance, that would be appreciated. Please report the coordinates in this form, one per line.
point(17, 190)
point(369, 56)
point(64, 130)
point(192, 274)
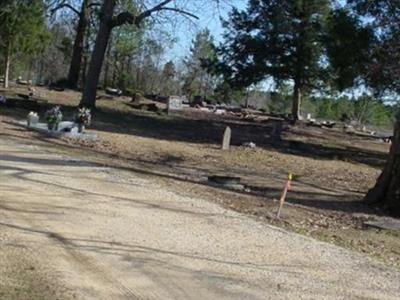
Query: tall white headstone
point(175, 104)
point(226, 140)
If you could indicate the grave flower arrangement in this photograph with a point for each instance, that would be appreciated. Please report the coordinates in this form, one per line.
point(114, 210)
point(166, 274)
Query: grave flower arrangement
point(53, 118)
point(83, 118)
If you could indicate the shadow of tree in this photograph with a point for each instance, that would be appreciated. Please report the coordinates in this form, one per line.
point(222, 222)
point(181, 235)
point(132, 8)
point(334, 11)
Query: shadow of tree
point(210, 131)
point(122, 249)
point(323, 198)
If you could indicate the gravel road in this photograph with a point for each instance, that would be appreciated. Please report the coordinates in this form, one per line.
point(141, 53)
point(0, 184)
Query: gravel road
point(89, 232)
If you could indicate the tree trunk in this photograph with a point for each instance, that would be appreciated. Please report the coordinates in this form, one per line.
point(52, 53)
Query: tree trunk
point(96, 62)
point(107, 66)
point(86, 55)
point(296, 104)
point(386, 192)
point(78, 49)
point(129, 65)
point(7, 59)
point(247, 98)
point(107, 23)
point(115, 69)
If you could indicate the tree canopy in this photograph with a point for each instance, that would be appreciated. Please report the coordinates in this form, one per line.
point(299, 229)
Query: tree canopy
point(22, 29)
point(278, 39)
point(197, 80)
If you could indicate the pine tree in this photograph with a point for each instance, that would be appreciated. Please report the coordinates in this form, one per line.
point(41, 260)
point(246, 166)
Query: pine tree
point(168, 76)
point(22, 29)
point(348, 46)
point(278, 39)
point(198, 81)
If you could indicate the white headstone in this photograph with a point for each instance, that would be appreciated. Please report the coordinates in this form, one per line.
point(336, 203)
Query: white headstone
point(226, 141)
point(33, 119)
point(175, 104)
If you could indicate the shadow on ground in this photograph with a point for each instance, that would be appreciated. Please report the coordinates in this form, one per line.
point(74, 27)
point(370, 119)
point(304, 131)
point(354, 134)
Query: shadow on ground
point(203, 131)
point(322, 198)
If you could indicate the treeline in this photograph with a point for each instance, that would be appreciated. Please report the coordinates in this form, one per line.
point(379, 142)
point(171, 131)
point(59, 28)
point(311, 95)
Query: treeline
point(134, 59)
point(305, 48)
point(362, 109)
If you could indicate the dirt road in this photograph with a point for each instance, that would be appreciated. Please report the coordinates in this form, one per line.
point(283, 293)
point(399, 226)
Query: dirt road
point(70, 229)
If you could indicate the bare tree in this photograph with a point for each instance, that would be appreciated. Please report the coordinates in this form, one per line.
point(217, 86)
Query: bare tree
point(83, 14)
point(108, 21)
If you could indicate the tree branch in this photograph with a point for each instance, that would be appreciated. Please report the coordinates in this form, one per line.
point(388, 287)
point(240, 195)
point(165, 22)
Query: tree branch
point(67, 6)
point(123, 18)
point(94, 4)
point(183, 12)
point(50, 4)
point(150, 11)
point(129, 18)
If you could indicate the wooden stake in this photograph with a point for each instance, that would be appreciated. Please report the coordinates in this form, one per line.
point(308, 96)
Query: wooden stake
point(283, 196)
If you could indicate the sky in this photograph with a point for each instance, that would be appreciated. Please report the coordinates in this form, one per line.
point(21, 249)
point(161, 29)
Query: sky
point(209, 17)
point(183, 30)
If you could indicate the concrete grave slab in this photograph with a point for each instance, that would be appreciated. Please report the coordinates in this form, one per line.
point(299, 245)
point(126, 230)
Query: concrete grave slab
point(65, 129)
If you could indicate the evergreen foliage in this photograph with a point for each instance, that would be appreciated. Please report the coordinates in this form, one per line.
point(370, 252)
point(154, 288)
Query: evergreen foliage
point(278, 39)
point(22, 28)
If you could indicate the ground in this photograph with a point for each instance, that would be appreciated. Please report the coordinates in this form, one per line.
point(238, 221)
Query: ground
point(94, 232)
point(175, 155)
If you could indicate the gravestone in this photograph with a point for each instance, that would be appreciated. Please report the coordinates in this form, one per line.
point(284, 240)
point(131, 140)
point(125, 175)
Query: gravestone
point(33, 119)
point(113, 92)
point(66, 126)
point(175, 104)
point(276, 131)
point(65, 129)
point(226, 141)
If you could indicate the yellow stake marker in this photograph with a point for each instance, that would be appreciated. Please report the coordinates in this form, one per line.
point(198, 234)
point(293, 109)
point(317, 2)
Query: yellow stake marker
point(290, 176)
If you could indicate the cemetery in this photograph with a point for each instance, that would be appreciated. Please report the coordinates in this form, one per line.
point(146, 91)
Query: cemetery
point(240, 161)
point(225, 146)
point(168, 149)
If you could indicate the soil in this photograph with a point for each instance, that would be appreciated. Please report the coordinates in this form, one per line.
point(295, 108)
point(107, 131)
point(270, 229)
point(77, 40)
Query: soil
point(332, 170)
point(96, 232)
